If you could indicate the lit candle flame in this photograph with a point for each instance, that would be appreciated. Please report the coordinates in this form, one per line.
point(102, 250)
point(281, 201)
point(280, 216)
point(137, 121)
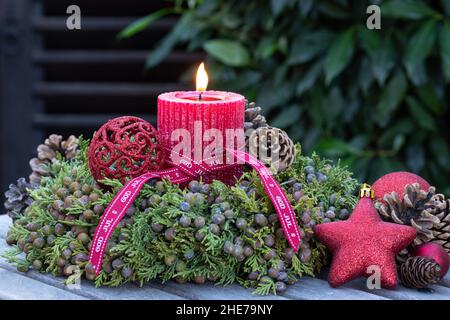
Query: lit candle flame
point(202, 78)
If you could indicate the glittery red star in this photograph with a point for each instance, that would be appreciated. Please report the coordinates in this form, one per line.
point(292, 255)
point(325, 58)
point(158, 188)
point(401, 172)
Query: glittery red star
point(364, 240)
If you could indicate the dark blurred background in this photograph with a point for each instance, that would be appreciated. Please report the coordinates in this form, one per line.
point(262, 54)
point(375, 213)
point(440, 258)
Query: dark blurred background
point(376, 99)
point(53, 80)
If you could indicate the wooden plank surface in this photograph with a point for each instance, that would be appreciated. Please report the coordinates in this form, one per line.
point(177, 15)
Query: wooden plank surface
point(16, 286)
point(316, 289)
point(5, 222)
point(209, 291)
point(306, 289)
point(436, 292)
point(87, 289)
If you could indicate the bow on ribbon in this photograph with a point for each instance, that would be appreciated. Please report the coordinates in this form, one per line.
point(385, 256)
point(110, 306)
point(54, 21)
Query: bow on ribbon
point(184, 171)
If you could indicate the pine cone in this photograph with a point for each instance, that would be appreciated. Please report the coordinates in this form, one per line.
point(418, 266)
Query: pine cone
point(273, 147)
point(419, 272)
point(426, 211)
point(18, 198)
point(440, 207)
point(253, 117)
point(47, 154)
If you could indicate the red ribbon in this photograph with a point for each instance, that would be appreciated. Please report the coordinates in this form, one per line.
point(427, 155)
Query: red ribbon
point(184, 171)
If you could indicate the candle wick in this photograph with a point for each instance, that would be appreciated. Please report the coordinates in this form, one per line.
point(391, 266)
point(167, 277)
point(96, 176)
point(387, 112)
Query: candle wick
point(200, 95)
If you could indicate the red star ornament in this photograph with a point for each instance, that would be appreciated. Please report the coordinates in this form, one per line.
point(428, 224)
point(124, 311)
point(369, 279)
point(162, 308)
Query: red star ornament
point(361, 241)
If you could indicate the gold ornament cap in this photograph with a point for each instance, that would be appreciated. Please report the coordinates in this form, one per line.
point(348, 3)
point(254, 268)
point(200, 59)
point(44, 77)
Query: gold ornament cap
point(366, 191)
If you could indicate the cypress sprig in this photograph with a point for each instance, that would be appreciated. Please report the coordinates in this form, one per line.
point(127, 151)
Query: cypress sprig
point(204, 232)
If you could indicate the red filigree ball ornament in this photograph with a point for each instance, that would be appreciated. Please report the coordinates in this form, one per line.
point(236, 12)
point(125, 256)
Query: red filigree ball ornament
point(124, 147)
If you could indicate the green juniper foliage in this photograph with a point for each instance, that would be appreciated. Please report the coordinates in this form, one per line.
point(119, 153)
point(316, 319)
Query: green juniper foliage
point(214, 232)
point(378, 99)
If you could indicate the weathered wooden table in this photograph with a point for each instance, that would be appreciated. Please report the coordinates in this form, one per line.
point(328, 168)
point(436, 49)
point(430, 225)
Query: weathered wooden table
point(35, 285)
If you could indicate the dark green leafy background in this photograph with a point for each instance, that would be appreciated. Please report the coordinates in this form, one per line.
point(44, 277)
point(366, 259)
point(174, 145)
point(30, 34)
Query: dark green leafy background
point(377, 99)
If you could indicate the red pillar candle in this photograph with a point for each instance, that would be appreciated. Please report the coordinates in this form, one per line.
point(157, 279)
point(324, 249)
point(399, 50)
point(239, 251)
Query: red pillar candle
point(210, 118)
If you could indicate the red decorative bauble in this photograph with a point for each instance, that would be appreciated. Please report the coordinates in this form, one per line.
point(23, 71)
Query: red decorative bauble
point(396, 181)
point(436, 252)
point(361, 241)
point(124, 147)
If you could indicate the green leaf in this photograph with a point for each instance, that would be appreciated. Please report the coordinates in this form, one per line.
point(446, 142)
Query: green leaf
point(333, 10)
point(403, 127)
point(266, 48)
point(278, 6)
point(245, 79)
point(143, 23)
point(420, 115)
point(420, 46)
point(370, 40)
point(305, 6)
point(441, 151)
point(280, 74)
point(271, 96)
point(383, 60)
point(419, 75)
point(336, 148)
point(157, 55)
point(317, 106)
point(398, 142)
point(415, 157)
point(365, 78)
point(391, 97)
point(446, 6)
point(308, 45)
point(383, 165)
point(444, 43)
point(380, 51)
point(287, 117)
point(231, 20)
point(203, 8)
point(359, 165)
point(229, 52)
point(406, 9)
point(310, 77)
point(283, 44)
point(360, 141)
point(430, 98)
point(339, 55)
point(336, 100)
point(169, 42)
